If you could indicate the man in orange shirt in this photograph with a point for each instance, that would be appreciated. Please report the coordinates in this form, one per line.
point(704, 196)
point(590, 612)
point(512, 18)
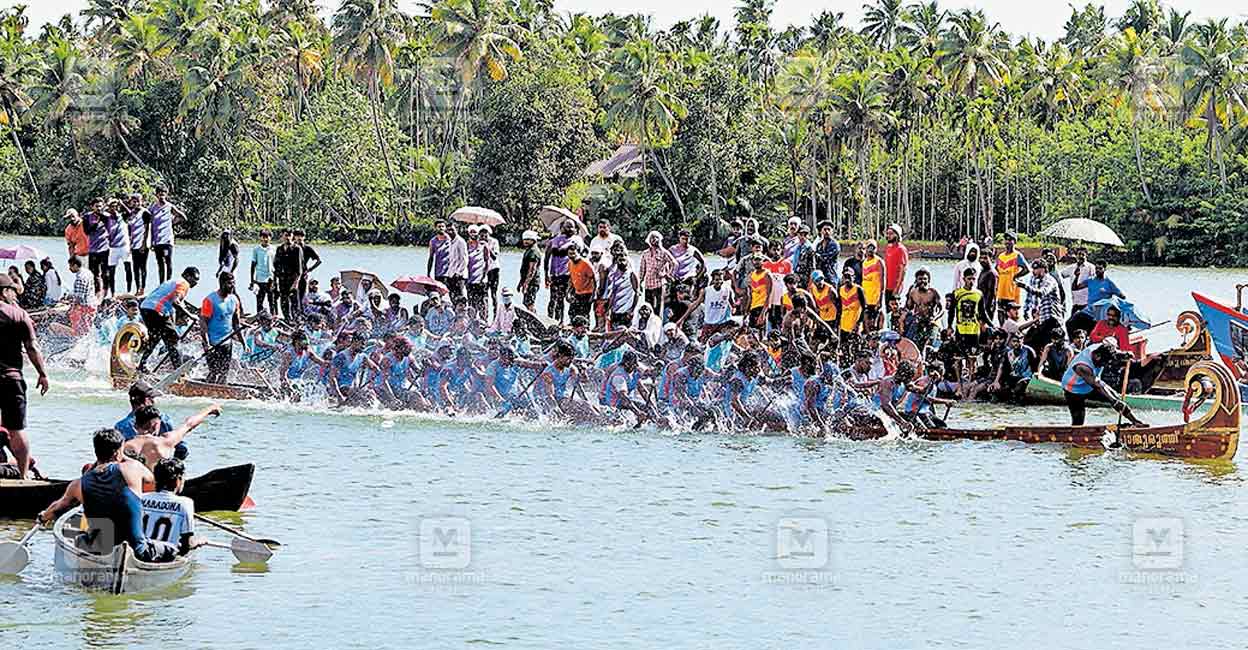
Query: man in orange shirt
point(75, 236)
point(583, 279)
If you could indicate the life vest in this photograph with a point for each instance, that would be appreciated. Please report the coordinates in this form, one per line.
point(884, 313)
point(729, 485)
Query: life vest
point(759, 286)
point(873, 280)
point(1008, 267)
point(851, 307)
point(824, 303)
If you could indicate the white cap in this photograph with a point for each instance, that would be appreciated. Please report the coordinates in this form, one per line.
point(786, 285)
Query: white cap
point(895, 228)
point(473, 228)
point(529, 234)
point(794, 221)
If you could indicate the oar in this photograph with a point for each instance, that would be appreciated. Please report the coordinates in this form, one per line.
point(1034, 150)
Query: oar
point(13, 555)
point(236, 532)
point(245, 551)
point(186, 367)
point(1122, 395)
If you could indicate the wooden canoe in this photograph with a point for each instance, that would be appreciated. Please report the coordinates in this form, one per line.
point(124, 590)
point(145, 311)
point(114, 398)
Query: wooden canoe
point(1211, 435)
point(123, 372)
point(221, 489)
point(115, 572)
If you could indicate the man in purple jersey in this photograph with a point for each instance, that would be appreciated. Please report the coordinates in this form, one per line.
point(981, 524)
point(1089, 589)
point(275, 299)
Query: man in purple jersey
point(97, 241)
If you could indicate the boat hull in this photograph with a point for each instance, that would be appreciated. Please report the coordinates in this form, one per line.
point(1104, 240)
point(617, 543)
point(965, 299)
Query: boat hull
point(1042, 390)
point(123, 372)
point(115, 572)
point(225, 488)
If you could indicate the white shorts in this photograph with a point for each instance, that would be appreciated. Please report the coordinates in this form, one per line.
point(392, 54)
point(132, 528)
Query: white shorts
point(118, 255)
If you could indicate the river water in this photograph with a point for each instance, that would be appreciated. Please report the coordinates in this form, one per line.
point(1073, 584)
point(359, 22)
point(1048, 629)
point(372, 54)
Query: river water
point(420, 531)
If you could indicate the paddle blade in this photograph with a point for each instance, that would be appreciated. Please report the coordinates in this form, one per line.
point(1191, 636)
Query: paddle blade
point(177, 374)
point(13, 558)
point(248, 504)
point(249, 552)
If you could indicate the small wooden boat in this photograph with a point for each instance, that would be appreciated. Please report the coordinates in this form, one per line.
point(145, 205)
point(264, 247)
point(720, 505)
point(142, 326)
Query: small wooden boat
point(115, 572)
point(225, 488)
point(1212, 435)
point(124, 371)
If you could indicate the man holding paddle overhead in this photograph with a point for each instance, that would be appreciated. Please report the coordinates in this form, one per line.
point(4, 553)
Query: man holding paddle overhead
point(158, 310)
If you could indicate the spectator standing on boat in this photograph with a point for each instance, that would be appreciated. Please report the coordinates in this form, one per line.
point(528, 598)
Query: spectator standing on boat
point(262, 273)
point(603, 242)
point(287, 265)
point(17, 335)
point(873, 288)
point(227, 253)
point(896, 260)
point(118, 244)
point(924, 308)
point(218, 323)
point(827, 250)
point(76, 243)
point(139, 222)
point(583, 278)
point(438, 264)
point(530, 271)
point(970, 260)
point(97, 242)
point(656, 268)
point(1078, 274)
point(83, 297)
point(803, 256)
point(478, 255)
point(311, 262)
point(1083, 378)
point(491, 265)
point(52, 282)
point(789, 243)
point(855, 263)
point(1011, 266)
point(164, 216)
point(690, 265)
point(456, 265)
point(1100, 287)
point(987, 280)
point(1044, 300)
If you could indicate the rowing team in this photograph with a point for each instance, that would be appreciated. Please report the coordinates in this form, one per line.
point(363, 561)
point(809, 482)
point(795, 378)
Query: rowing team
point(130, 493)
point(736, 380)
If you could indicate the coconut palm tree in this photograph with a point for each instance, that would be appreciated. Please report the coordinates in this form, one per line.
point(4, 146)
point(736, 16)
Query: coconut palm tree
point(19, 66)
point(859, 112)
point(106, 17)
point(139, 47)
point(1214, 85)
point(642, 103)
point(971, 53)
point(365, 35)
point(827, 30)
point(921, 26)
point(1054, 81)
point(302, 53)
point(882, 22)
point(1134, 74)
point(60, 86)
point(109, 113)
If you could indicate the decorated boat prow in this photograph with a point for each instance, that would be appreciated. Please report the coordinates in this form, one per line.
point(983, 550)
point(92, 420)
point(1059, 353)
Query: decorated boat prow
point(124, 371)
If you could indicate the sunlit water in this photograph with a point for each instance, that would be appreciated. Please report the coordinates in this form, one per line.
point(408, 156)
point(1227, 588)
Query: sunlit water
point(640, 539)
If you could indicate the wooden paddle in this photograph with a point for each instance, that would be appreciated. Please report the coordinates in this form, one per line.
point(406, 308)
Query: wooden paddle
point(181, 370)
point(236, 532)
point(245, 551)
point(1122, 395)
point(13, 555)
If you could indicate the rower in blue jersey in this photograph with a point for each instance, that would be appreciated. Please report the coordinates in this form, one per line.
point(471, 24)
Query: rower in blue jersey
point(297, 361)
point(461, 383)
point(804, 382)
point(890, 392)
point(922, 394)
point(261, 342)
point(109, 493)
point(397, 371)
point(737, 390)
point(502, 382)
point(430, 386)
point(556, 384)
point(619, 386)
point(344, 373)
point(684, 387)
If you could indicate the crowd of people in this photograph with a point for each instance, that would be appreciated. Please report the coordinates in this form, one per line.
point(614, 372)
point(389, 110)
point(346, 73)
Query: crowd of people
point(769, 334)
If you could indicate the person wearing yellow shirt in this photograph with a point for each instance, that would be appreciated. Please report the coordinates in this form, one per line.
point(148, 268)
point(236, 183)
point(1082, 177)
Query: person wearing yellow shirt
point(872, 288)
point(852, 304)
point(967, 314)
point(1010, 265)
point(758, 289)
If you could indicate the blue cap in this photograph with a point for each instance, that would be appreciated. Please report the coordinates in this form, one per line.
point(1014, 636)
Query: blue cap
point(816, 276)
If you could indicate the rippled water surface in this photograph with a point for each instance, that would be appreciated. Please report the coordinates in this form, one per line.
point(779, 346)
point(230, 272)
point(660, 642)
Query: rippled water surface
point(641, 539)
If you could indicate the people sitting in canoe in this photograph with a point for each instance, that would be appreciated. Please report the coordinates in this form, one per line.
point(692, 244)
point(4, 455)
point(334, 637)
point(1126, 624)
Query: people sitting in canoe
point(110, 492)
point(143, 394)
point(168, 517)
point(149, 445)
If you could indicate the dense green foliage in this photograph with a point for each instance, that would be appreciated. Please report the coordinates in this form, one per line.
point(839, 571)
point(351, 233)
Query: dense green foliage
point(375, 122)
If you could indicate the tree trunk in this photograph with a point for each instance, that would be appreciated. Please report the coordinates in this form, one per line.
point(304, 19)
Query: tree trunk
point(385, 156)
point(671, 187)
point(21, 152)
point(1139, 161)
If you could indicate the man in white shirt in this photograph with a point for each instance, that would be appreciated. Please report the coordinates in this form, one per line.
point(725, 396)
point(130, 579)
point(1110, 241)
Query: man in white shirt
point(717, 304)
point(494, 249)
point(168, 517)
point(603, 241)
point(504, 316)
point(1078, 272)
point(262, 273)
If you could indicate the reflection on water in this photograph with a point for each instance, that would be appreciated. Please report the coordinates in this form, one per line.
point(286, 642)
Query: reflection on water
point(110, 621)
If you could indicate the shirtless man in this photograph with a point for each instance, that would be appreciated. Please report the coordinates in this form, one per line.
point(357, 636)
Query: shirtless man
point(150, 445)
point(924, 307)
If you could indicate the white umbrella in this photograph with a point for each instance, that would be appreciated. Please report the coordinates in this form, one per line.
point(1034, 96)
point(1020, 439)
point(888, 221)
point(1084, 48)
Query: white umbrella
point(1084, 230)
point(478, 215)
point(554, 218)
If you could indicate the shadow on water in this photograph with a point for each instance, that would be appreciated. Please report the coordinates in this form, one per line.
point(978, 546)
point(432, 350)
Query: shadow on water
point(112, 621)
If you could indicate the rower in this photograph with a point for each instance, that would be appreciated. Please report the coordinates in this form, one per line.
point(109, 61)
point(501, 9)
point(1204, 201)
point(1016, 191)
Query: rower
point(167, 516)
point(150, 446)
point(142, 394)
point(620, 382)
point(890, 392)
point(218, 323)
point(109, 493)
point(158, 312)
point(1083, 377)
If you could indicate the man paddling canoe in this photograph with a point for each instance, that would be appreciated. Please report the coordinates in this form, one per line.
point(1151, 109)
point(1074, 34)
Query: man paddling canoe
point(1083, 378)
point(109, 493)
point(150, 445)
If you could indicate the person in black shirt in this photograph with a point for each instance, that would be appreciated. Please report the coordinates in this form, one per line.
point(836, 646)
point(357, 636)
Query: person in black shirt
point(311, 261)
point(287, 266)
point(530, 270)
point(855, 263)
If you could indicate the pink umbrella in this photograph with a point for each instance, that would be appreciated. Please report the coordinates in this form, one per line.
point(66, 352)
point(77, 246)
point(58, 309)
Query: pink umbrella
point(21, 252)
point(421, 285)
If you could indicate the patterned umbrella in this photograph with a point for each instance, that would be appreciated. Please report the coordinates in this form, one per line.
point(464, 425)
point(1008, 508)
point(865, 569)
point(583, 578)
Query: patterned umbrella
point(351, 281)
point(21, 252)
point(478, 215)
point(421, 285)
point(554, 218)
point(1084, 230)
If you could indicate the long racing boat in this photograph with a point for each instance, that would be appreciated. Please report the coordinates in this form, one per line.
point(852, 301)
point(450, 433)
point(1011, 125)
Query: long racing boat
point(123, 371)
